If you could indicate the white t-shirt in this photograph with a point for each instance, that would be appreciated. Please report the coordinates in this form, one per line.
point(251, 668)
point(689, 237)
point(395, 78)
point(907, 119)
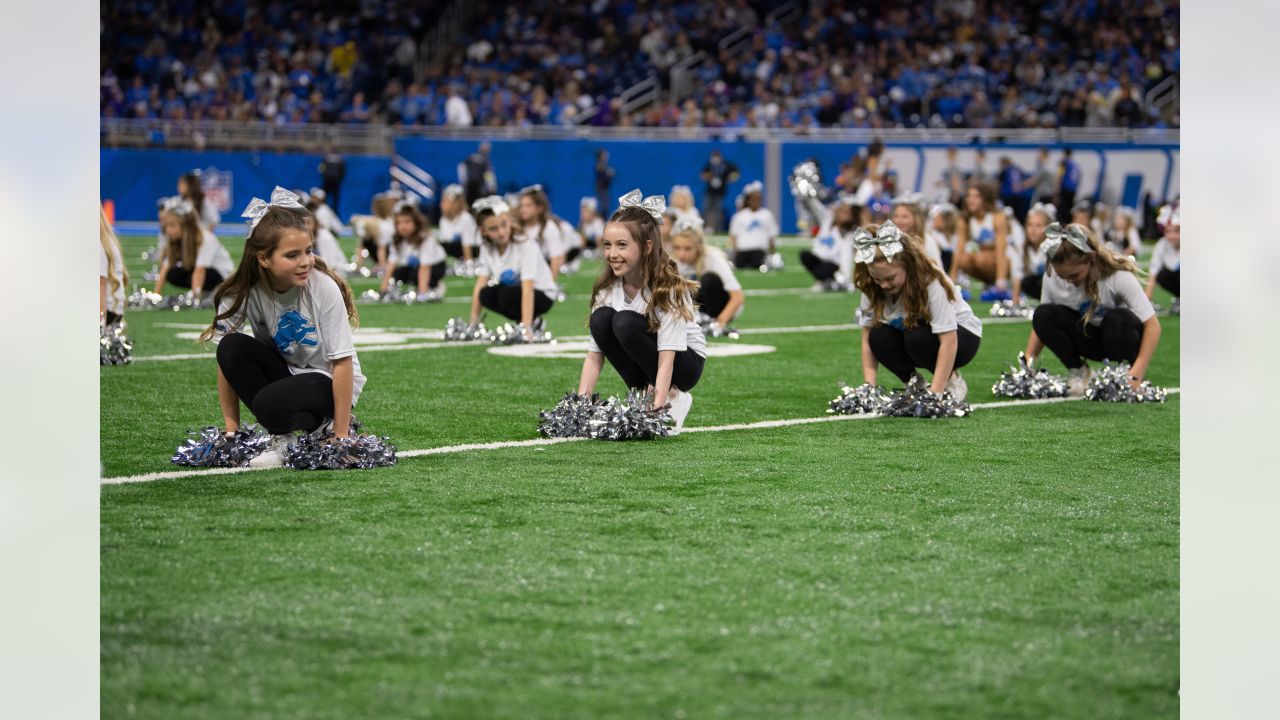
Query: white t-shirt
point(1036, 259)
point(944, 315)
point(212, 255)
point(982, 231)
point(427, 252)
point(674, 332)
point(939, 239)
point(115, 298)
point(691, 212)
point(1015, 242)
point(461, 228)
point(1165, 255)
point(209, 216)
point(1120, 290)
point(330, 251)
point(519, 262)
point(833, 246)
point(714, 262)
point(550, 241)
point(307, 325)
point(328, 219)
point(593, 230)
point(753, 229)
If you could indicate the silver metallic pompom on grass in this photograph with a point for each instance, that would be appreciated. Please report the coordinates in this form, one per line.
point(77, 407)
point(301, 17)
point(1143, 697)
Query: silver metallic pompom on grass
point(459, 330)
point(614, 419)
point(211, 448)
point(1024, 382)
point(1011, 309)
point(513, 334)
point(143, 299)
point(320, 450)
point(1110, 383)
point(713, 329)
point(916, 400)
point(866, 399)
point(114, 346)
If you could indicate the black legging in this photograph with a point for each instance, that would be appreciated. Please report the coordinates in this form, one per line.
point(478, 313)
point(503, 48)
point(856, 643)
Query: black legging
point(505, 300)
point(452, 248)
point(572, 254)
point(820, 269)
point(625, 341)
point(902, 351)
point(1170, 280)
point(749, 258)
point(281, 401)
point(408, 274)
point(712, 298)
point(1060, 328)
point(181, 277)
point(1032, 284)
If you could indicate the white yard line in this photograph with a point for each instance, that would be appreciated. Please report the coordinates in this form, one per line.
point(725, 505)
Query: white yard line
point(538, 442)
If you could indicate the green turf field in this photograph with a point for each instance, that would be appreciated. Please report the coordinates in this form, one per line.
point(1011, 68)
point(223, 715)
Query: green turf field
point(1018, 563)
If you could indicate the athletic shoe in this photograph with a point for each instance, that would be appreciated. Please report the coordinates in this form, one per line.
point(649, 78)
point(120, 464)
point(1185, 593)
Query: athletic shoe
point(1078, 381)
point(680, 405)
point(995, 294)
point(273, 456)
point(965, 294)
point(958, 388)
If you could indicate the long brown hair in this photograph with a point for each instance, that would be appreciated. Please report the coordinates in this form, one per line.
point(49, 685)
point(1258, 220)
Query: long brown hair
point(111, 246)
point(187, 246)
point(666, 286)
point(921, 272)
point(988, 193)
point(195, 191)
point(539, 198)
point(262, 242)
point(420, 227)
point(1103, 263)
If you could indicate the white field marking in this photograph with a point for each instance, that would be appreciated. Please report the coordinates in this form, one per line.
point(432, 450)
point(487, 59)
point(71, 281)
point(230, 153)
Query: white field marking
point(577, 349)
point(568, 339)
point(537, 442)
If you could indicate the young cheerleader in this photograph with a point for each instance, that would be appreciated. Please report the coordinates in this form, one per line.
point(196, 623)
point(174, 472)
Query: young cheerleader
point(414, 256)
point(908, 214)
point(1122, 237)
point(753, 231)
point(982, 243)
point(590, 224)
point(1166, 259)
point(1016, 250)
point(512, 277)
point(573, 243)
point(190, 189)
point(326, 246)
point(682, 203)
point(541, 229)
point(191, 257)
point(719, 293)
point(642, 312)
point(112, 275)
point(458, 234)
point(1092, 306)
point(942, 227)
point(298, 370)
point(326, 218)
point(375, 232)
point(830, 259)
point(1039, 217)
point(911, 315)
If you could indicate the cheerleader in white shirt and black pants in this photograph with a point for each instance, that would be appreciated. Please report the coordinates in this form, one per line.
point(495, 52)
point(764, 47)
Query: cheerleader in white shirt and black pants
point(512, 277)
point(457, 231)
point(1166, 259)
point(642, 312)
point(191, 256)
point(719, 293)
point(830, 260)
point(753, 231)
point(414, 256)
point(1092, 306)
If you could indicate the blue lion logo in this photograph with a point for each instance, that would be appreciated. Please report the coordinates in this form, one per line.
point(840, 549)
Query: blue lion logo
point(985, 236)
point(293, 329)
point(755, 225)
point(509, 277)
point(827, 241)
point(898, 324)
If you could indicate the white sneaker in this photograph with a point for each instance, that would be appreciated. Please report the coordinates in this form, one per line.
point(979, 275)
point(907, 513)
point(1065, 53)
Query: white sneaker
point(680, 402)
point(956, 385)
point(1078, 381)
point(273, 456)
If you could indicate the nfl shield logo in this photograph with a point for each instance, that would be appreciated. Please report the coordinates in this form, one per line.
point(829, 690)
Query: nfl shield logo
point(217, 188)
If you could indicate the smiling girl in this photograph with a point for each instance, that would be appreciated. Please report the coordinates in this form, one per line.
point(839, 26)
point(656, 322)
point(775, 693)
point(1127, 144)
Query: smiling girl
point(512, 277)
point(298, 370)
point(719, 292)
point(191, 256)
point(1092, 306)
point(642, 311)
point(911, 315)
point(982, 243)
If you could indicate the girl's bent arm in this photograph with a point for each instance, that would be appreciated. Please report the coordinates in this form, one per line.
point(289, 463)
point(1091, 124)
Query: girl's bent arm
point(946, 362)
point(869, 363)
point(1034, 347)
point(343, 370)
point(1150, 337)
point(662, 385)
point(591, 367)
point(735, 301)
point(526, 306)
point(424, 274)
point(229, 402)
point(164, 273)
point(481, 282)
point(197, 281)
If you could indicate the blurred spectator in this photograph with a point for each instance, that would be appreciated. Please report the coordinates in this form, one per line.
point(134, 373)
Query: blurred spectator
point(476, 175)
point(332, 171)
point(604, 173)
point(718, 174)
point(1068, 182)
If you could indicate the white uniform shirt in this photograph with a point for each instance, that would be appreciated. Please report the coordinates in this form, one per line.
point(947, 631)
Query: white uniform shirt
point(212, 255)
point(461, 228)
point(1015, 242)
point(307, 325)
point(519, 262)
point(1037, 261)
point(593, 230)
point(944, 315)
point(834, 246)
point(115, 298)
point(714, 262)
point(1165, 255)
point(330, 251)
point(982, 232)
point(427, 252)
point(328, 219)
point(209, 216)
point(690, 213)
point(1119, 290)
point(753, 229)
point(386, 231)
point(674, 332)
point(570, 234)
point(550, 240)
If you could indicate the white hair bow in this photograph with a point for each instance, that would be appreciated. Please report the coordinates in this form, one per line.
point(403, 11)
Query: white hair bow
point(177, 205)
point(655, 205)
point(688, 224)
point(888, 239)
point(493, 202)
point(279, 198)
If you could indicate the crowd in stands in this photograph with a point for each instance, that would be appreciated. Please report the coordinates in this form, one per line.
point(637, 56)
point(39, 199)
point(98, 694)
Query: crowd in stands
point(968, 63)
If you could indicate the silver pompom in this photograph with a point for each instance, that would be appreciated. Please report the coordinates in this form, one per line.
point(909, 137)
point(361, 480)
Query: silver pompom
point(320, 450)
point(1011, 309)
point(114, 346)
point(211, 448)
point(713, 329)
point(773, 262)
point(805, 181)
point(514, 334)
point(916, 400)
point(141, 298)
point(1023, 382)
point(862, 400)
point(459, 330)
point(613, 419)
point(1110, 383)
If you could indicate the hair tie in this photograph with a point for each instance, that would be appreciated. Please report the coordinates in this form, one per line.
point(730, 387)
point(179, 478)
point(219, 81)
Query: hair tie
point(655, 205)
point(279, 198)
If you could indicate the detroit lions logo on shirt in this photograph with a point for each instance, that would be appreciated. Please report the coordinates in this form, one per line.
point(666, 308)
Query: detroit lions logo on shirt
point(509, 277)
point(985, 236)
point(898, 324)
point(827, 241)
point(293, 329)
point(755, 225)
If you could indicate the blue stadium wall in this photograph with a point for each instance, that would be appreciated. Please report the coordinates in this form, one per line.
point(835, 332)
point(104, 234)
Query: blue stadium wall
point(134, 179)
